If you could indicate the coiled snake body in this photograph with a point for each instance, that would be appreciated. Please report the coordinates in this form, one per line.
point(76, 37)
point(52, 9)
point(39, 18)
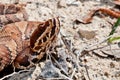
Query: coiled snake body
point(24, 43)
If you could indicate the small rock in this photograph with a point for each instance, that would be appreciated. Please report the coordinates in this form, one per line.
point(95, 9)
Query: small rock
point(87, 34)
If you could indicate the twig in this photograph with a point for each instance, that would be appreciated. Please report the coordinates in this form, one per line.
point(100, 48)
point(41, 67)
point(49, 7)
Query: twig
point(73, 73)
point(59, 65)
point(87, 72)
point(14, 74)
point(102, 41)
point(71, 52)
point(66, 74)
point(8, 75)
point(53, 78)
point(35, 73)
point(75, 58)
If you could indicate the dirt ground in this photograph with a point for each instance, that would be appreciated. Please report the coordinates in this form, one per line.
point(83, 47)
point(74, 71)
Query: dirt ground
point(83, 51)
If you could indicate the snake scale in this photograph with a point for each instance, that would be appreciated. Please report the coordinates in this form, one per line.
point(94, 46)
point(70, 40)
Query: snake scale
point(23, 43)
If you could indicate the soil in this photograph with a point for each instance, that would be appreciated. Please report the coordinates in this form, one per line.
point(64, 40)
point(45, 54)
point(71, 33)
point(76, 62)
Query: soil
point(83, 52)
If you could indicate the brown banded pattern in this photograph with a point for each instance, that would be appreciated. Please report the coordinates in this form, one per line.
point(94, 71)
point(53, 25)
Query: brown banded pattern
point(10, 13)
point(23, 42)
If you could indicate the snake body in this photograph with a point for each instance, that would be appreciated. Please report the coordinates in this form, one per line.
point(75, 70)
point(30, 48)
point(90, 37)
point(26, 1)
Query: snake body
point(23, 43)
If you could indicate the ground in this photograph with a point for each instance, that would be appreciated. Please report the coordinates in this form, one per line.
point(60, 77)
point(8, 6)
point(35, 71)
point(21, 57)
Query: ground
point(84, 53)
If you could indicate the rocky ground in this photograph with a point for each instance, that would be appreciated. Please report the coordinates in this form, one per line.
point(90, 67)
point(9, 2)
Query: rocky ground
point(84, 53)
